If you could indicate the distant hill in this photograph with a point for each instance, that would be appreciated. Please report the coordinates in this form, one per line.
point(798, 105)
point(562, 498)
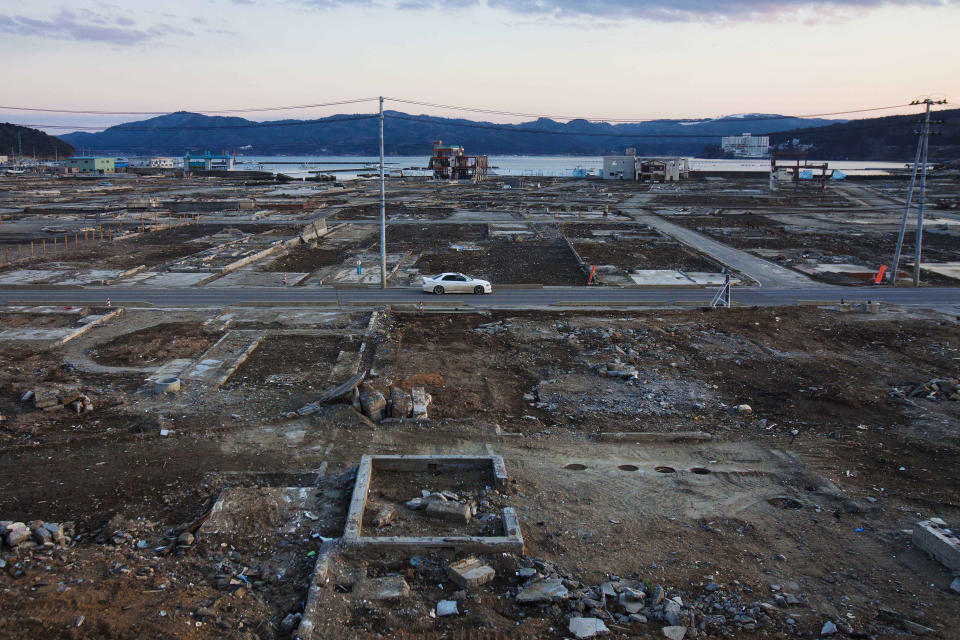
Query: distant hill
point(407, 134)
point(888, 138)
point(35, 143)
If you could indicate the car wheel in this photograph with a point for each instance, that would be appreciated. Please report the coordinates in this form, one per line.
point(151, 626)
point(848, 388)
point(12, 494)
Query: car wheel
point(478, 290)
point(438, 290)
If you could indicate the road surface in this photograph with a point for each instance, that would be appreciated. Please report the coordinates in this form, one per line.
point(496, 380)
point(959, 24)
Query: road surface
point(503, 298)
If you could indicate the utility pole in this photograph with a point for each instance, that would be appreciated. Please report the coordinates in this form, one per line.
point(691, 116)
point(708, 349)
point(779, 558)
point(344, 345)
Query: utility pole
point(383, 210)
point(919, 163)
point(20, 150)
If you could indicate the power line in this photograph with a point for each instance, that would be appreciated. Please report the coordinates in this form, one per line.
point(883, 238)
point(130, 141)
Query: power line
point(200, 111)
point(519, 129)
point(631, 120)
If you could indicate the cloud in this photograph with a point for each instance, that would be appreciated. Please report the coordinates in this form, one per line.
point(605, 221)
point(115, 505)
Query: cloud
point(86, 25)
point(655, 10)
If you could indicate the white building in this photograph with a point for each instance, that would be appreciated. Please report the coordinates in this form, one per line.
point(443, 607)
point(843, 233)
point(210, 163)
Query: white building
point(746, 146)
point(619, 167)
point(154, 163)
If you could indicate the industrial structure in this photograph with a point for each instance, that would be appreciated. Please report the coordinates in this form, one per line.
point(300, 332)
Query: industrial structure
point(793, 167)
point(90, 164)
point(147, 162)
point(746, 146)
point(630, 167)
point(208, 162)
point(449, 162)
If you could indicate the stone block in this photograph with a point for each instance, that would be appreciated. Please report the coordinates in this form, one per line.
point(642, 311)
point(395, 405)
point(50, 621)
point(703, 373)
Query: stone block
point(451, 511)
point(470, 572)
point(378, 589)
point(935, 538)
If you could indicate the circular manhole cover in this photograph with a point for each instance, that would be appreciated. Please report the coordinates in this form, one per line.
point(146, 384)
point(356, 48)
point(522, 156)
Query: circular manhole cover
point(700, 471)
point(576, 466)
point(663, 469)
point(628, 467)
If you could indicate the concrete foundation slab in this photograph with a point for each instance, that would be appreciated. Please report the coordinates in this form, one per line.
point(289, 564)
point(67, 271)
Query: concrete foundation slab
point(353, 535)
point(935, 538)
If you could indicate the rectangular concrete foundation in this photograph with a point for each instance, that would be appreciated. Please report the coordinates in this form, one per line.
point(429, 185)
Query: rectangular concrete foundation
point(511, 541)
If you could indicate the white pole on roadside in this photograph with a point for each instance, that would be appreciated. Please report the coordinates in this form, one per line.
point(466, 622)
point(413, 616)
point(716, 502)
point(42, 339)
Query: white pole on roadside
point(383, 210)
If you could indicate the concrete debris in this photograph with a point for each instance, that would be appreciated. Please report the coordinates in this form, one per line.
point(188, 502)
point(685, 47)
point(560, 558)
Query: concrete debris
point(587, 627)
point(545, 590)
point(447, 608)
point(935, 389)
point(46, 399)
point(675, 632)
point(955, 585)
point(385, 515)
point(372, 402)
point(470, 572)
point(451, 511)
point(421, 400)
point(745, 409)
point(35, 533)
point(935, 538)
point(185, 539)
point(381, 589)
point(401, 404)
point(828, 629)
point(17, 533)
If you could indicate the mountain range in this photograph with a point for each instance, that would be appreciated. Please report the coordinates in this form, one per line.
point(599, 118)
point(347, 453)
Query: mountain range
point(406, 134)
point(33, 142)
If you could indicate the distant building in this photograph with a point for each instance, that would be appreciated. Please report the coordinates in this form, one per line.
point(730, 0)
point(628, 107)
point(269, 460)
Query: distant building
point(662, 169)
point(746, 146)
point(630, 167)
point(4, 159)
point(207, 162)
point(620, 167)
point(449, 162)
point(154, 163)
point(90, 164)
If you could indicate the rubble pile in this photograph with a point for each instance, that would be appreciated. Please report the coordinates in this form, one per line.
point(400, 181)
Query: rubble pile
point(453, 507)
point(35, 533)
point(48, 399)
point(935, 389)
point(400, 405)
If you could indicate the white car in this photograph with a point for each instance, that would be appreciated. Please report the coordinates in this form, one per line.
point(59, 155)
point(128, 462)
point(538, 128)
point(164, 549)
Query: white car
point(455, 283)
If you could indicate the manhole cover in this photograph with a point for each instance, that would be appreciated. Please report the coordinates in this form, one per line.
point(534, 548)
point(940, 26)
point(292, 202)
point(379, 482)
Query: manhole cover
point(783, 502)
point(665, 470)
point(700, 471)
point(628, 467)
point(576, 466)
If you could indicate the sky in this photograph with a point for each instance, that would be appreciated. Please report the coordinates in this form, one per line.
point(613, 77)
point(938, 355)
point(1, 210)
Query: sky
point(599, 59)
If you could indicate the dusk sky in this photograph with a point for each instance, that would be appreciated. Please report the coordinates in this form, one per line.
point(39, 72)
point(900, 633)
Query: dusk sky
point(594, 58)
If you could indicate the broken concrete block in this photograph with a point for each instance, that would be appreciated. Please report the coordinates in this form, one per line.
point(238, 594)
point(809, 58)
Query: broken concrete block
point(377, 589)
point(745, 409)
point(372, 403)
point(675, 632)
point(546, 590)
point(44, 398)
point(447, 608)
point(41, 535)
point(630, 606)
point(452, 511)
point(17, 533)
point(421, 400)
point(936, 539)
point(416, 504)
point(385, 515)
point(56, 531)
point(401, 403)
point(587, 627)
point(955, 585)
point(470, 572)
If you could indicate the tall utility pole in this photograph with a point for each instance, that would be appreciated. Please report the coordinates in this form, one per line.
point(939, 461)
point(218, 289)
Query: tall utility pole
point(383, 210)
point(20, 150)
point(920, 161)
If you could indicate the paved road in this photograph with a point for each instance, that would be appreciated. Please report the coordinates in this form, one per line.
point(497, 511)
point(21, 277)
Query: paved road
point(501, 298)
point(762, 271)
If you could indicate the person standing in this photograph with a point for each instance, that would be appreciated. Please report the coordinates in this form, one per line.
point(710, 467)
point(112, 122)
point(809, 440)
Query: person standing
point(359, 267)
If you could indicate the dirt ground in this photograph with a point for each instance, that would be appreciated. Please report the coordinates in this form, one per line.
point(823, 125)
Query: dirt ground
point(159, 343)
point(546, 262)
